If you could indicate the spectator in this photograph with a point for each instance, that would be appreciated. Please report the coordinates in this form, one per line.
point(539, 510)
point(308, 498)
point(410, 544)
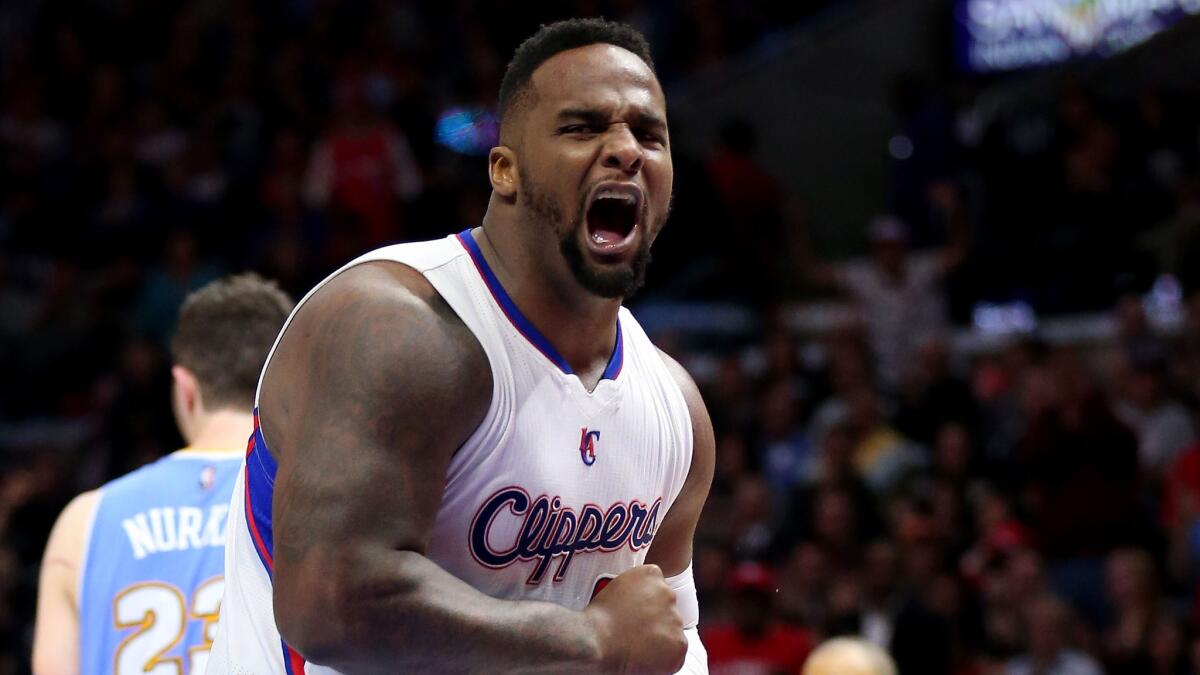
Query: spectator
point(756, 641)
point(1073, 449)
point(881, 455)
point(1048, 624)
point(896, 292)
point(1133, 593)
point(752, 203)
point(361, 166)
point(753, 520)
point(803, 586)
point(784, 451)
point(931, 395)
point(1166, 648)
point(1164, 427)
point(182, 272)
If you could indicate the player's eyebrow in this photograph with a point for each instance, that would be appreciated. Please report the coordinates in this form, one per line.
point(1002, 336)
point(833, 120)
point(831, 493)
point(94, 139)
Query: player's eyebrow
point(649, 120)
point(595, 116)
point(589, 115)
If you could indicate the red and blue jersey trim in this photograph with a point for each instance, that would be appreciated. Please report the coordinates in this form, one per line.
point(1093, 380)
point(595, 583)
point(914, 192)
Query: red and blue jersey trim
point(523, 325)
point(260, 490)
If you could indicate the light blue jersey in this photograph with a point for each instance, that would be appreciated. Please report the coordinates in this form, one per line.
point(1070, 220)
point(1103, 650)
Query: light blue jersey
point(152, 580)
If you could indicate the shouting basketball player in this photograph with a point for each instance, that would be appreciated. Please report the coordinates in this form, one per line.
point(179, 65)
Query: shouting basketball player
point(131, 579)
point(469, 456)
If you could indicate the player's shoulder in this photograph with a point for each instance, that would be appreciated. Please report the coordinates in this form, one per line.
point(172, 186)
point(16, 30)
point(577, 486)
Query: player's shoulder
point(79, 509)
point(378, 331)
point(70, 530)
point(682, 378)
point(381, 298)
point(702, 430)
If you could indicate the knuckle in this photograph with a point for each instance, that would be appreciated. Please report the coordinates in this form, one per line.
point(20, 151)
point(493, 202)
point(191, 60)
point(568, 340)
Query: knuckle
point(681, 647)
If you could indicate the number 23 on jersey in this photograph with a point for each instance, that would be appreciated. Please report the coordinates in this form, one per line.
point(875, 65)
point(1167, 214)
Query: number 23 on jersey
point(160, 614)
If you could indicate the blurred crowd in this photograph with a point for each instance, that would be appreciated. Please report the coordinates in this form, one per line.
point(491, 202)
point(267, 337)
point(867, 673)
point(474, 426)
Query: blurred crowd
point(1024, 506)
point(1009, 512)
point(1032, 509)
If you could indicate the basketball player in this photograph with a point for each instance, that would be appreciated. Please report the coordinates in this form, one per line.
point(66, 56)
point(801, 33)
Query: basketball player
point(849, 656)
point(469, 456)
point(131, 579)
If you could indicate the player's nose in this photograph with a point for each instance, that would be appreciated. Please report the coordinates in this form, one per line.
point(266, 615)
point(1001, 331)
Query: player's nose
point(623, 151)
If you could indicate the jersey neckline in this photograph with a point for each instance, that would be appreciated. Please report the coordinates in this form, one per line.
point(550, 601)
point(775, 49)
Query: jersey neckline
point(523, 325)
point(189, 452)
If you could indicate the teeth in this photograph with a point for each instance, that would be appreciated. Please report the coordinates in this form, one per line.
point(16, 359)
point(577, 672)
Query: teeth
point(613, 194)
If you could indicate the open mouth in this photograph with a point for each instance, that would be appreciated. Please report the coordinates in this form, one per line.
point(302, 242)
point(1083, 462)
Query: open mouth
point(612, 216)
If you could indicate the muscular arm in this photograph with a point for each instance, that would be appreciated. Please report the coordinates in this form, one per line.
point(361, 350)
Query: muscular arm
point(374, 386)
point(672, 547)
point(56, 628)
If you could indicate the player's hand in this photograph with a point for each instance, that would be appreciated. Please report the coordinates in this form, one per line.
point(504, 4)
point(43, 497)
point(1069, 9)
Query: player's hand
point(639, 628)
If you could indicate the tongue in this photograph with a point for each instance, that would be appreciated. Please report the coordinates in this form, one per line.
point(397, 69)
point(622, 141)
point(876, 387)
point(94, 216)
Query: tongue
point(605, 236)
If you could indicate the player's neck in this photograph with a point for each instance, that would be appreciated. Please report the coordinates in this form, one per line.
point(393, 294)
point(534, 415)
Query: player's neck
point(223, 430)
point(580, 325)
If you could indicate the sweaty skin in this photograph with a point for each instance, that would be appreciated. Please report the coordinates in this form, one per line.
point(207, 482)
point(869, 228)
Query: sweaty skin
point(377, 382)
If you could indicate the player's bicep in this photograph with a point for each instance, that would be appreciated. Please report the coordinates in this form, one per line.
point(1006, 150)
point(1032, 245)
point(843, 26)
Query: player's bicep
point(373, 387)
point(56, 626)
point(672, 547)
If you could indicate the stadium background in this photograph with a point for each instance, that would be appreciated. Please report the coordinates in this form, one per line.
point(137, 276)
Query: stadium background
point(1006, 461)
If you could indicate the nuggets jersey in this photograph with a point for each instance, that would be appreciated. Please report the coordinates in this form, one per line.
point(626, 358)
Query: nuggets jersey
point(151, 580)
point(557, 489)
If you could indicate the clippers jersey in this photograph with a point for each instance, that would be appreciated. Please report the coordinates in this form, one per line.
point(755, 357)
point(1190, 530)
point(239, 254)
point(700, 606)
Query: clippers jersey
point(151, 583)
point(557, 490)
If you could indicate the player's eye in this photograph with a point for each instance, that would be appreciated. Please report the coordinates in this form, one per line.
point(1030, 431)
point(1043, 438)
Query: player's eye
point(647, 136)
point(580, 129)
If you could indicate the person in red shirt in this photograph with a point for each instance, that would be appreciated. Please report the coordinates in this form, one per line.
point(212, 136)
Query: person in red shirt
point(363, 167)
point(755, 641)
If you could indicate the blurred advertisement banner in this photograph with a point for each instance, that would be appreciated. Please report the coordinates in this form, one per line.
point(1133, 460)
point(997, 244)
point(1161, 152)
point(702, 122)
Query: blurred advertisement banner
point(996, 35)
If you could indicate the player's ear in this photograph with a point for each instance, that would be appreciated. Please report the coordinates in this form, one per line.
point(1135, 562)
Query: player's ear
point(502, 172)
point(185, 388)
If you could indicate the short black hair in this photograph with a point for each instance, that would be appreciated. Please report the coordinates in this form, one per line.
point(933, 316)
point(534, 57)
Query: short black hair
point(562, 36)
point(225, 330)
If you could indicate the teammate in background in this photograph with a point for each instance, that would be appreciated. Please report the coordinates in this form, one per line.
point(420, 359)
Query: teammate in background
point(470, 457)
point(132, 575)
point(898, 290)
point(849, 656)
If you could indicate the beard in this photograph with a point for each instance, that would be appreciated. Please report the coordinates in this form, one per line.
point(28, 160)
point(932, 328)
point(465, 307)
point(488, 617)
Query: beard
point(618, 280)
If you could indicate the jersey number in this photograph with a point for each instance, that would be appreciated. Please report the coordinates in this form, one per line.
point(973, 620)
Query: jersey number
point(158, 612)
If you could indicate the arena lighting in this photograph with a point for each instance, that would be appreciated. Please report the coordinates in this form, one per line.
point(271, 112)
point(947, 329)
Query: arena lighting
point(1007, 318)
point(467, 130)
point(998, 35)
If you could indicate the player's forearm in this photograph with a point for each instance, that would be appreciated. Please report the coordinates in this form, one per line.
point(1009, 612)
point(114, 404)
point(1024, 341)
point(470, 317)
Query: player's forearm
point(423, 619)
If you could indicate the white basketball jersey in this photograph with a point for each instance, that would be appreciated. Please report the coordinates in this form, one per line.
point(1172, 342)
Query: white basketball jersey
point(557, 490)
